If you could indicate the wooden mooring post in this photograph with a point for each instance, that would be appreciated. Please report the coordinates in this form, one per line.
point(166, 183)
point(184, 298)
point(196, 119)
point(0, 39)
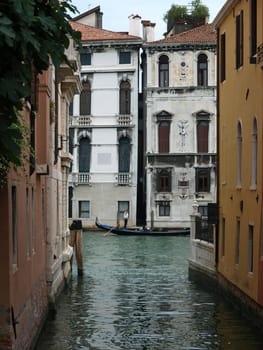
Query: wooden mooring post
point(76, 242)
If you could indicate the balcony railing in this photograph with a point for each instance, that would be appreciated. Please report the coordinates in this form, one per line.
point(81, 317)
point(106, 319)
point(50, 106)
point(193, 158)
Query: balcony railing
point(83, 120)
point(81, 178)
point(123, 179)
point(124, 119)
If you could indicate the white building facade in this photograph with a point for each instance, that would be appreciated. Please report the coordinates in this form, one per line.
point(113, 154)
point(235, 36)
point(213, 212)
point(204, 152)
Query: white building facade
point(180, 126)
point(104, 128)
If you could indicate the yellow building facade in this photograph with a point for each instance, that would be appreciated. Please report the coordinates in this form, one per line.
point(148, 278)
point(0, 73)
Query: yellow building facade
point(240, 112)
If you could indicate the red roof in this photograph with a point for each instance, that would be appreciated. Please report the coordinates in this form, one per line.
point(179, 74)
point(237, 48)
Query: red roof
point(89, 33)
point(203, 34)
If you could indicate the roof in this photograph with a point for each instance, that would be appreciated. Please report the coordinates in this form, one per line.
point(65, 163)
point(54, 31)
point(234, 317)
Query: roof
point(89, 33)
point(202, 34)
point(87, 13)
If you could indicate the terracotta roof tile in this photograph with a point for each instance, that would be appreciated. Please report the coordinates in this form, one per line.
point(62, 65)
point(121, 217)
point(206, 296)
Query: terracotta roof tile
point(89, 33)
point(203, 34)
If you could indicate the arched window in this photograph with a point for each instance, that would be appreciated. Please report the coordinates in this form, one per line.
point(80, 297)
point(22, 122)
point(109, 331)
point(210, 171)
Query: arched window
point(239, 155)
point(84, 155)
point(163, 71)
point(125, 97)
point(202, 78)
point(124, 155)
point(254, 154)
point(85, 99)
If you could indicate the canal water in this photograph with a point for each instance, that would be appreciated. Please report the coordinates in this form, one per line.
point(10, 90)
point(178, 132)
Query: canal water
point(135, 294)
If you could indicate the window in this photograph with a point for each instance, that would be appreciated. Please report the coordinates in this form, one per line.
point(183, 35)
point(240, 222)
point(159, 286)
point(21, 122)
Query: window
point(164, 181)
point(70, 110)
point(70, 197)
point(239, 155)
point(254, 155)
point(85, 59)
point(253, 30)
point(84, 155)
point(223, 241)
point(32, 143)
point(250, 248)
point(239, 40)
point(33, 220)
point(125, 97)
point(84, 209)
point(125, 57)
point(163, 71)
point(164, 136)
point(203, 180)
point(14, 224)
point(223, 57)
point(124, 155)
point(237, 241)
point(28, 229)
point(202, 78)
point(85, 99)
point(164, 208)
point(202, 136)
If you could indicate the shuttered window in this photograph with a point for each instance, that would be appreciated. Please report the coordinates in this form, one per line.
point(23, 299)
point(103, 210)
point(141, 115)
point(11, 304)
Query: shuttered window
point(125, 97)
point(84, 155)
point(164, 137)
point(239, 40)
point(202, 136)
point(124, 155)
point(85, 99)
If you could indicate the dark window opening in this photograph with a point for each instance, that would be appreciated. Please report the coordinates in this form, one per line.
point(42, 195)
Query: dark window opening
point(239, 40)
point(164, 137)
point(84, 155)
point(125, 97)
point(202, 136)
point(223, 57)
point(163, 71)
point(253, 31)
point(164, 181)
point(124, 155)
point(202, 70)
point(203, 180)
point(85, 99)
point(125, 58)
point(85, 59)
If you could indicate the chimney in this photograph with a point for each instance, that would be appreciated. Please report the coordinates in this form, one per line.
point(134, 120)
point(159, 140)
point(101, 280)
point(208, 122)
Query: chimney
point(135, 24)
point(148, 30)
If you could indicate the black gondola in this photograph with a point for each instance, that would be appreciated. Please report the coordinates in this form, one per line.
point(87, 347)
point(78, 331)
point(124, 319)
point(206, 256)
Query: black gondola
point(142, 231)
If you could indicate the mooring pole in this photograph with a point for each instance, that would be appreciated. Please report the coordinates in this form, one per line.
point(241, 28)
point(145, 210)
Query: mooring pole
point(76, 242)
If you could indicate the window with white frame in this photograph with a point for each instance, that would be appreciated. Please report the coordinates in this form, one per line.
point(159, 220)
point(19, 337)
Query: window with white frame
point(84, 209)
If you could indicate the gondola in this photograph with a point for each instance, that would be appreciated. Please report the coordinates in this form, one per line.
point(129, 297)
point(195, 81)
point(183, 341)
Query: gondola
point(142, 231)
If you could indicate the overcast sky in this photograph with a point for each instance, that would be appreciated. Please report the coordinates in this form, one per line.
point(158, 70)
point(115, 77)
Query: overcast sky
point(116, 12)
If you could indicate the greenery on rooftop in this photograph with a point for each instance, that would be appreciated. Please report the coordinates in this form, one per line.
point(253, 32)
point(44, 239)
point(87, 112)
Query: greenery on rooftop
point(197, 11)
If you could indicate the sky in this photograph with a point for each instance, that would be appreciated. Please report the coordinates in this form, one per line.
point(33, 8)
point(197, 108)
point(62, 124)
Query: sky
point(116, 12)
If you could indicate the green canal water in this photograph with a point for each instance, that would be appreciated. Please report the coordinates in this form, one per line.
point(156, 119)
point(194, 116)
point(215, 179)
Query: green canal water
point(135, 294)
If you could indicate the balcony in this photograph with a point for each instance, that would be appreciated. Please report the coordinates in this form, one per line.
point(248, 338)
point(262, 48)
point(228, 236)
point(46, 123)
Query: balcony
point(80, 121)
point(123, 179)
point(81, 178)
point(124, 119)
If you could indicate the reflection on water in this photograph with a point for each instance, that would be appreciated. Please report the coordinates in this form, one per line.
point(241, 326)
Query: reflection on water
point(135, 294)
